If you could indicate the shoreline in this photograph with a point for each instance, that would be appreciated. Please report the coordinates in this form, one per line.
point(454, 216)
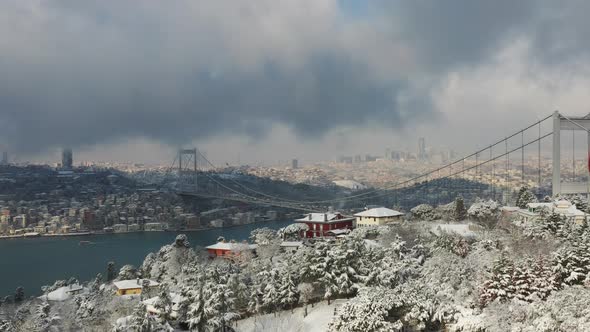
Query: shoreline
point(192, 230)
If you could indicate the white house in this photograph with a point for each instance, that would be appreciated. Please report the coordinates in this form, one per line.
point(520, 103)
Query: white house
point(563, 207)
point(377, 216)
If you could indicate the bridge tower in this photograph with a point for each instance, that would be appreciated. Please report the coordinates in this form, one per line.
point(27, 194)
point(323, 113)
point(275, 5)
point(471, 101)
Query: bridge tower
point(187, 169)
point(568, 123)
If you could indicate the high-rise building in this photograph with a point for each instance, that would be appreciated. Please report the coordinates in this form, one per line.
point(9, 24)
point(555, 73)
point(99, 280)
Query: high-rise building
point(4, 158)
point(67, 160)
point(294, 164)
point(421, 149)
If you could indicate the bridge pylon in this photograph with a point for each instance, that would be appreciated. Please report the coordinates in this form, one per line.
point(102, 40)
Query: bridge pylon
point(187, 169)
point(561, 122)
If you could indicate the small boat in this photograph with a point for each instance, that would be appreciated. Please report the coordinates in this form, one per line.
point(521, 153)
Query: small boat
point(83, 243)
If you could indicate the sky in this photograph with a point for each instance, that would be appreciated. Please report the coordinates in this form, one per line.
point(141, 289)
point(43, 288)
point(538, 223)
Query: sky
point(265, 81)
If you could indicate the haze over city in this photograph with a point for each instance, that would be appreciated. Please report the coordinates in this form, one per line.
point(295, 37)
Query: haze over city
point(122, 80)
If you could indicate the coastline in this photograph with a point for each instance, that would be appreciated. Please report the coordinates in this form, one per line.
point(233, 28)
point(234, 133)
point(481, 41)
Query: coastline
point(192, 230)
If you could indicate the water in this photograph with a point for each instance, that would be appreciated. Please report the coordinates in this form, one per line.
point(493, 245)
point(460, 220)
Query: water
point(34, 262)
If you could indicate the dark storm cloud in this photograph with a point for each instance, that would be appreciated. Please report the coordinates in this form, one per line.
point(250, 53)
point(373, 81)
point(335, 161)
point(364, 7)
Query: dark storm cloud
point(460, 32)
point(87, 72)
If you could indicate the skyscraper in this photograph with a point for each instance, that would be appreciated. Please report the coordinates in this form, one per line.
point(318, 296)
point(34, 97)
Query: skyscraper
point(421, 149)
point(67, 160)
point(294, 164)
point(4, 158)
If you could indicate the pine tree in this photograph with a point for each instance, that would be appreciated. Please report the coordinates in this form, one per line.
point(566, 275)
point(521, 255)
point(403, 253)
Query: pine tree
point(219, 307)
point(164, 305)
point(288, 292)
point(19, 294)
point(196, 317)
point(240, 291)
point(460, 212)
point(111, 273)
point(500, 284)
point(271, 297)
point(525, 196)
point(140, 321)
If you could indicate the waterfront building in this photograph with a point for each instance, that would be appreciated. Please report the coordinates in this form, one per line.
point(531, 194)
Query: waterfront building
point(377, 216)
point(154, 226)
point(319, 224)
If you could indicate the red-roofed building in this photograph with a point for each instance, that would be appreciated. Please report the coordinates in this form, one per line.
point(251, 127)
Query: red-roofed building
point(319, 224)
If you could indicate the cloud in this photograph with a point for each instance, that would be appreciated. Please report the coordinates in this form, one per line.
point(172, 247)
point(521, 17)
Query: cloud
point(82, 73)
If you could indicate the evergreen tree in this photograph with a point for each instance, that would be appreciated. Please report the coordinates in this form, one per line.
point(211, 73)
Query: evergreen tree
point(19, 294)
point(240, 291)
point(524, 197)
point(196, 317)
point(111, 273)
point(288, 292)
point(164, 305)
point(500, 284)
point(460, 212)
point(140, 321)
point(219, 306)
point(271, 297)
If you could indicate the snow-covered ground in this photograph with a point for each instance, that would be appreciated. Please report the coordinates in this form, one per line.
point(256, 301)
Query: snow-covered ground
point(460, 229)
point(317, 319)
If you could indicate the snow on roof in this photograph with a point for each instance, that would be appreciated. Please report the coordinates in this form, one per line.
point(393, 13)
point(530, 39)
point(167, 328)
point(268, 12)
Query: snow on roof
point(536, 205)
point(380, 212)
point(291, 244)
point(174, 297)
point(231, 246)
point(323, 217)
point(339, 231)
point(62, 293)
point(133, 283)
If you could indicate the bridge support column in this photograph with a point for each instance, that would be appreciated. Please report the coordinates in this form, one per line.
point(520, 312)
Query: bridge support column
point(556, 182)
point(588, 170)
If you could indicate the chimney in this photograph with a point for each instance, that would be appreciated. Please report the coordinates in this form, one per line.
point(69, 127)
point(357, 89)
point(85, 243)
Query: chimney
point(309, 216)
point(325, 217)
point(138, 281)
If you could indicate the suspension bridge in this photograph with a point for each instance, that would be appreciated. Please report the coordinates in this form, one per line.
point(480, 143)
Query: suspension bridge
point(493, 171)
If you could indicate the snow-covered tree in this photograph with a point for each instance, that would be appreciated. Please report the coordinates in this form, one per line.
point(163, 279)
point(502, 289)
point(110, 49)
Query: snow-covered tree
point(195, 315)
point(181, 241)
point(127, 272)
point(271, 298)
point(288, 291)
point(500, 284)
point(293, 231)
point(424, 212)
point(219, 305)
point(140, 320)
point(524, 197)
point(484, 211)
point(263, 236)
point(306, 295)
point(240, 290)
point(164, 305)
